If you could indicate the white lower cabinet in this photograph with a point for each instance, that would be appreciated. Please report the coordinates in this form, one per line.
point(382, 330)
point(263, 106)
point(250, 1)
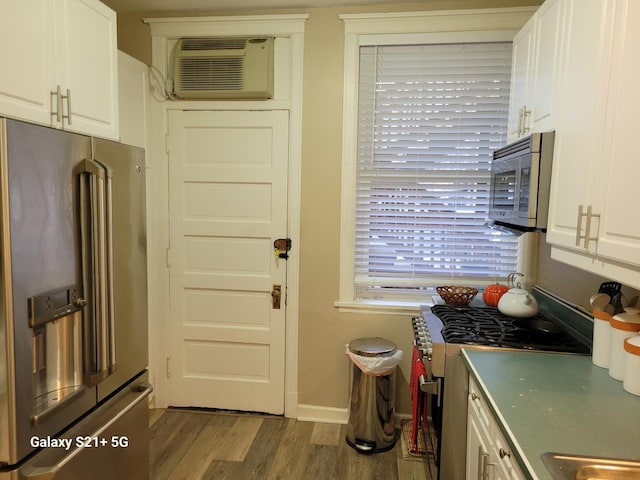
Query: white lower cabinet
point(477, 444)
point(488, 455)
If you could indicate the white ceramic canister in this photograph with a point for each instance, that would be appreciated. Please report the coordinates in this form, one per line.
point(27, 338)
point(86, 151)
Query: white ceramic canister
point(623, 326)
point(631, 382)
point(601, 350)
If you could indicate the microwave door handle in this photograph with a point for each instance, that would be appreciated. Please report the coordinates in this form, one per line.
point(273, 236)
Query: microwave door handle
point(93, 234)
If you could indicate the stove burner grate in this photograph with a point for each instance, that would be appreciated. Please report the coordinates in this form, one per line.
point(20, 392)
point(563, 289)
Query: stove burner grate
point(487, 326)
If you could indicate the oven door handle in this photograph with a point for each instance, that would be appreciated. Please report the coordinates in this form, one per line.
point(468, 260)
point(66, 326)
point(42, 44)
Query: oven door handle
point(433, 386)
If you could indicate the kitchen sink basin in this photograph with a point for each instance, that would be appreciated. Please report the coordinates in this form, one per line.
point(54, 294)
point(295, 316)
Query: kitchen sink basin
point(576, 467)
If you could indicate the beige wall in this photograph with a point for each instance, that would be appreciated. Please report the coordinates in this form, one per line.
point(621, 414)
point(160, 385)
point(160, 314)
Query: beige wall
point(323, 367)
point(576, 286)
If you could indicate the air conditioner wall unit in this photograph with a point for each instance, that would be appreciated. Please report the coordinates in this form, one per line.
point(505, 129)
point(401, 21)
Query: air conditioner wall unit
point(224, 68)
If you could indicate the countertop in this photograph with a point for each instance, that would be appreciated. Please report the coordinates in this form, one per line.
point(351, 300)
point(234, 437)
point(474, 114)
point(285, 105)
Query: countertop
point(546, 402)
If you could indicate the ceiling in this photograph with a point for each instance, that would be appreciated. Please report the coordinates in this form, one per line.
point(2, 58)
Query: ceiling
point(137, 6)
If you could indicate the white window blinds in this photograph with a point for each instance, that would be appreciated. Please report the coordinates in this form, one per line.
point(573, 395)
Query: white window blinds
point(429, 119)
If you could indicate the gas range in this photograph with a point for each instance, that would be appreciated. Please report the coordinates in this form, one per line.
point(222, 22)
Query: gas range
point(445, 329)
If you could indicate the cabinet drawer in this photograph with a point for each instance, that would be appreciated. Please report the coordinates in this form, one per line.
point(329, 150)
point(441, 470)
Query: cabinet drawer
point(484, 431)
point(478, 402)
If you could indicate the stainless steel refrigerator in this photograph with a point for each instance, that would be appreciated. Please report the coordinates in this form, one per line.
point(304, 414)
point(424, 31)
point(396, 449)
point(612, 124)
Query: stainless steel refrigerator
point(73, 307)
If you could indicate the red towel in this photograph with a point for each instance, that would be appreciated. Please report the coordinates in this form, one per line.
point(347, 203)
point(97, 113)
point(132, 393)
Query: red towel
point(418, 400)
point(414, 357)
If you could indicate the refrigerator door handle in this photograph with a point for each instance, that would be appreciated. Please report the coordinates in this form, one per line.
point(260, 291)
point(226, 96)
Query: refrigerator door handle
point(111, 319)
point(50, 472)
point(97, 259)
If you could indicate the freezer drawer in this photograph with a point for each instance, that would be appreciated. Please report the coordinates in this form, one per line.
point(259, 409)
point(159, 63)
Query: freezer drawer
point(111, 442)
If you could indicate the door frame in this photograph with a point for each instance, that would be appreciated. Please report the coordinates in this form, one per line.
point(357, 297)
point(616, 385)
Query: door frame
point(289, 33)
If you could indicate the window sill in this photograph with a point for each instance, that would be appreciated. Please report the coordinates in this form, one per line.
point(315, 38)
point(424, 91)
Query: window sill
point(381, 307)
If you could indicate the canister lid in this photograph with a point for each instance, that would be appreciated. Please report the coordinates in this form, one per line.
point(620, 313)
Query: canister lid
point(632, 345)
point(372, 346)
point(628, 321)
point(601, 315)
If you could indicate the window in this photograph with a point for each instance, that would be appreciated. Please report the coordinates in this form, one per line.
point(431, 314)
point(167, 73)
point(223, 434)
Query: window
point(427, 116)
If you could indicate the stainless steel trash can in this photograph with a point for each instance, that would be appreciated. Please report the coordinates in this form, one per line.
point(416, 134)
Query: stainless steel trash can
point(371, 426)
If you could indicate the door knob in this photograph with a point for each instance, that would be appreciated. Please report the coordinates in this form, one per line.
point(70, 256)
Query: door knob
point(276, 295)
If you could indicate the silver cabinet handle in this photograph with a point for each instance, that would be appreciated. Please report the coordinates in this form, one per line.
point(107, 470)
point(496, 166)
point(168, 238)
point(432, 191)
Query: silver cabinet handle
point(66, 97)
point(483, 464)
point(588, 237)
point(587, 229)
point(519, 122)
point(525, 116)
point(57, 113)
point(579, 225)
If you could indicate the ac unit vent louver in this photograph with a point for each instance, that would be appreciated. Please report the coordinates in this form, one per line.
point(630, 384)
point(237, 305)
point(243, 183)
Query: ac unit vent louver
point(209, 43)
point(224, 68)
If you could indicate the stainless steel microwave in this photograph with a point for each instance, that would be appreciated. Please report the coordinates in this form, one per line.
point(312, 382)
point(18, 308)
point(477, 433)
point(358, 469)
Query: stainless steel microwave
point(520, 183)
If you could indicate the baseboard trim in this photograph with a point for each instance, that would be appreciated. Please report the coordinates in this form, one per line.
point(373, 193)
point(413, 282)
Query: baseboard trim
point(291, 405)
point(314, 413)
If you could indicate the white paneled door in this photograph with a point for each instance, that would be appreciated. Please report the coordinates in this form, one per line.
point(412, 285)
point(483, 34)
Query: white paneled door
point(228, 205)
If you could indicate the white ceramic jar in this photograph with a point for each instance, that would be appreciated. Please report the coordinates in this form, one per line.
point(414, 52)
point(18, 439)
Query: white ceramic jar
point(631, 382)
point(601, 350)
point(623, 326)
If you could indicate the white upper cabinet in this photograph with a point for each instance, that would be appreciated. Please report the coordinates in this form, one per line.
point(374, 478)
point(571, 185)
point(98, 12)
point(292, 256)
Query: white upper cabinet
point(536, 52)
point(521, 69)
point(133, 89)
point(27, 59)
point(61, 60)
point(593, 218)
point(579, 119)
point(548, 40)
point(87, 66)
point(619, 169)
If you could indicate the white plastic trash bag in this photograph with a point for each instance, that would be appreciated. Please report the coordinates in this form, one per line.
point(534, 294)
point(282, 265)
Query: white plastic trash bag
point(379, 365)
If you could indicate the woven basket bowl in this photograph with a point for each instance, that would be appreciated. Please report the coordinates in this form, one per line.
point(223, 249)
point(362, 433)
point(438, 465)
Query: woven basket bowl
point(454, 295)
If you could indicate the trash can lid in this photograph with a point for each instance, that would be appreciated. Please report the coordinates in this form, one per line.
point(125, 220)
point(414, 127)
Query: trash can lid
point(372, 346)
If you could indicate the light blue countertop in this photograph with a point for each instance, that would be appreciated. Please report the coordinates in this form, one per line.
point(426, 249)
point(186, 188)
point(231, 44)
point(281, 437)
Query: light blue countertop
point(547, 402)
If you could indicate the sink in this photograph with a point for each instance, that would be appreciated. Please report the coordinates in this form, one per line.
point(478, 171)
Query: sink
point(576, 467)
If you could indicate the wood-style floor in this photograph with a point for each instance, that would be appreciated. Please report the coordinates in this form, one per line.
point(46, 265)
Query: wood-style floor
point(192, 444)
